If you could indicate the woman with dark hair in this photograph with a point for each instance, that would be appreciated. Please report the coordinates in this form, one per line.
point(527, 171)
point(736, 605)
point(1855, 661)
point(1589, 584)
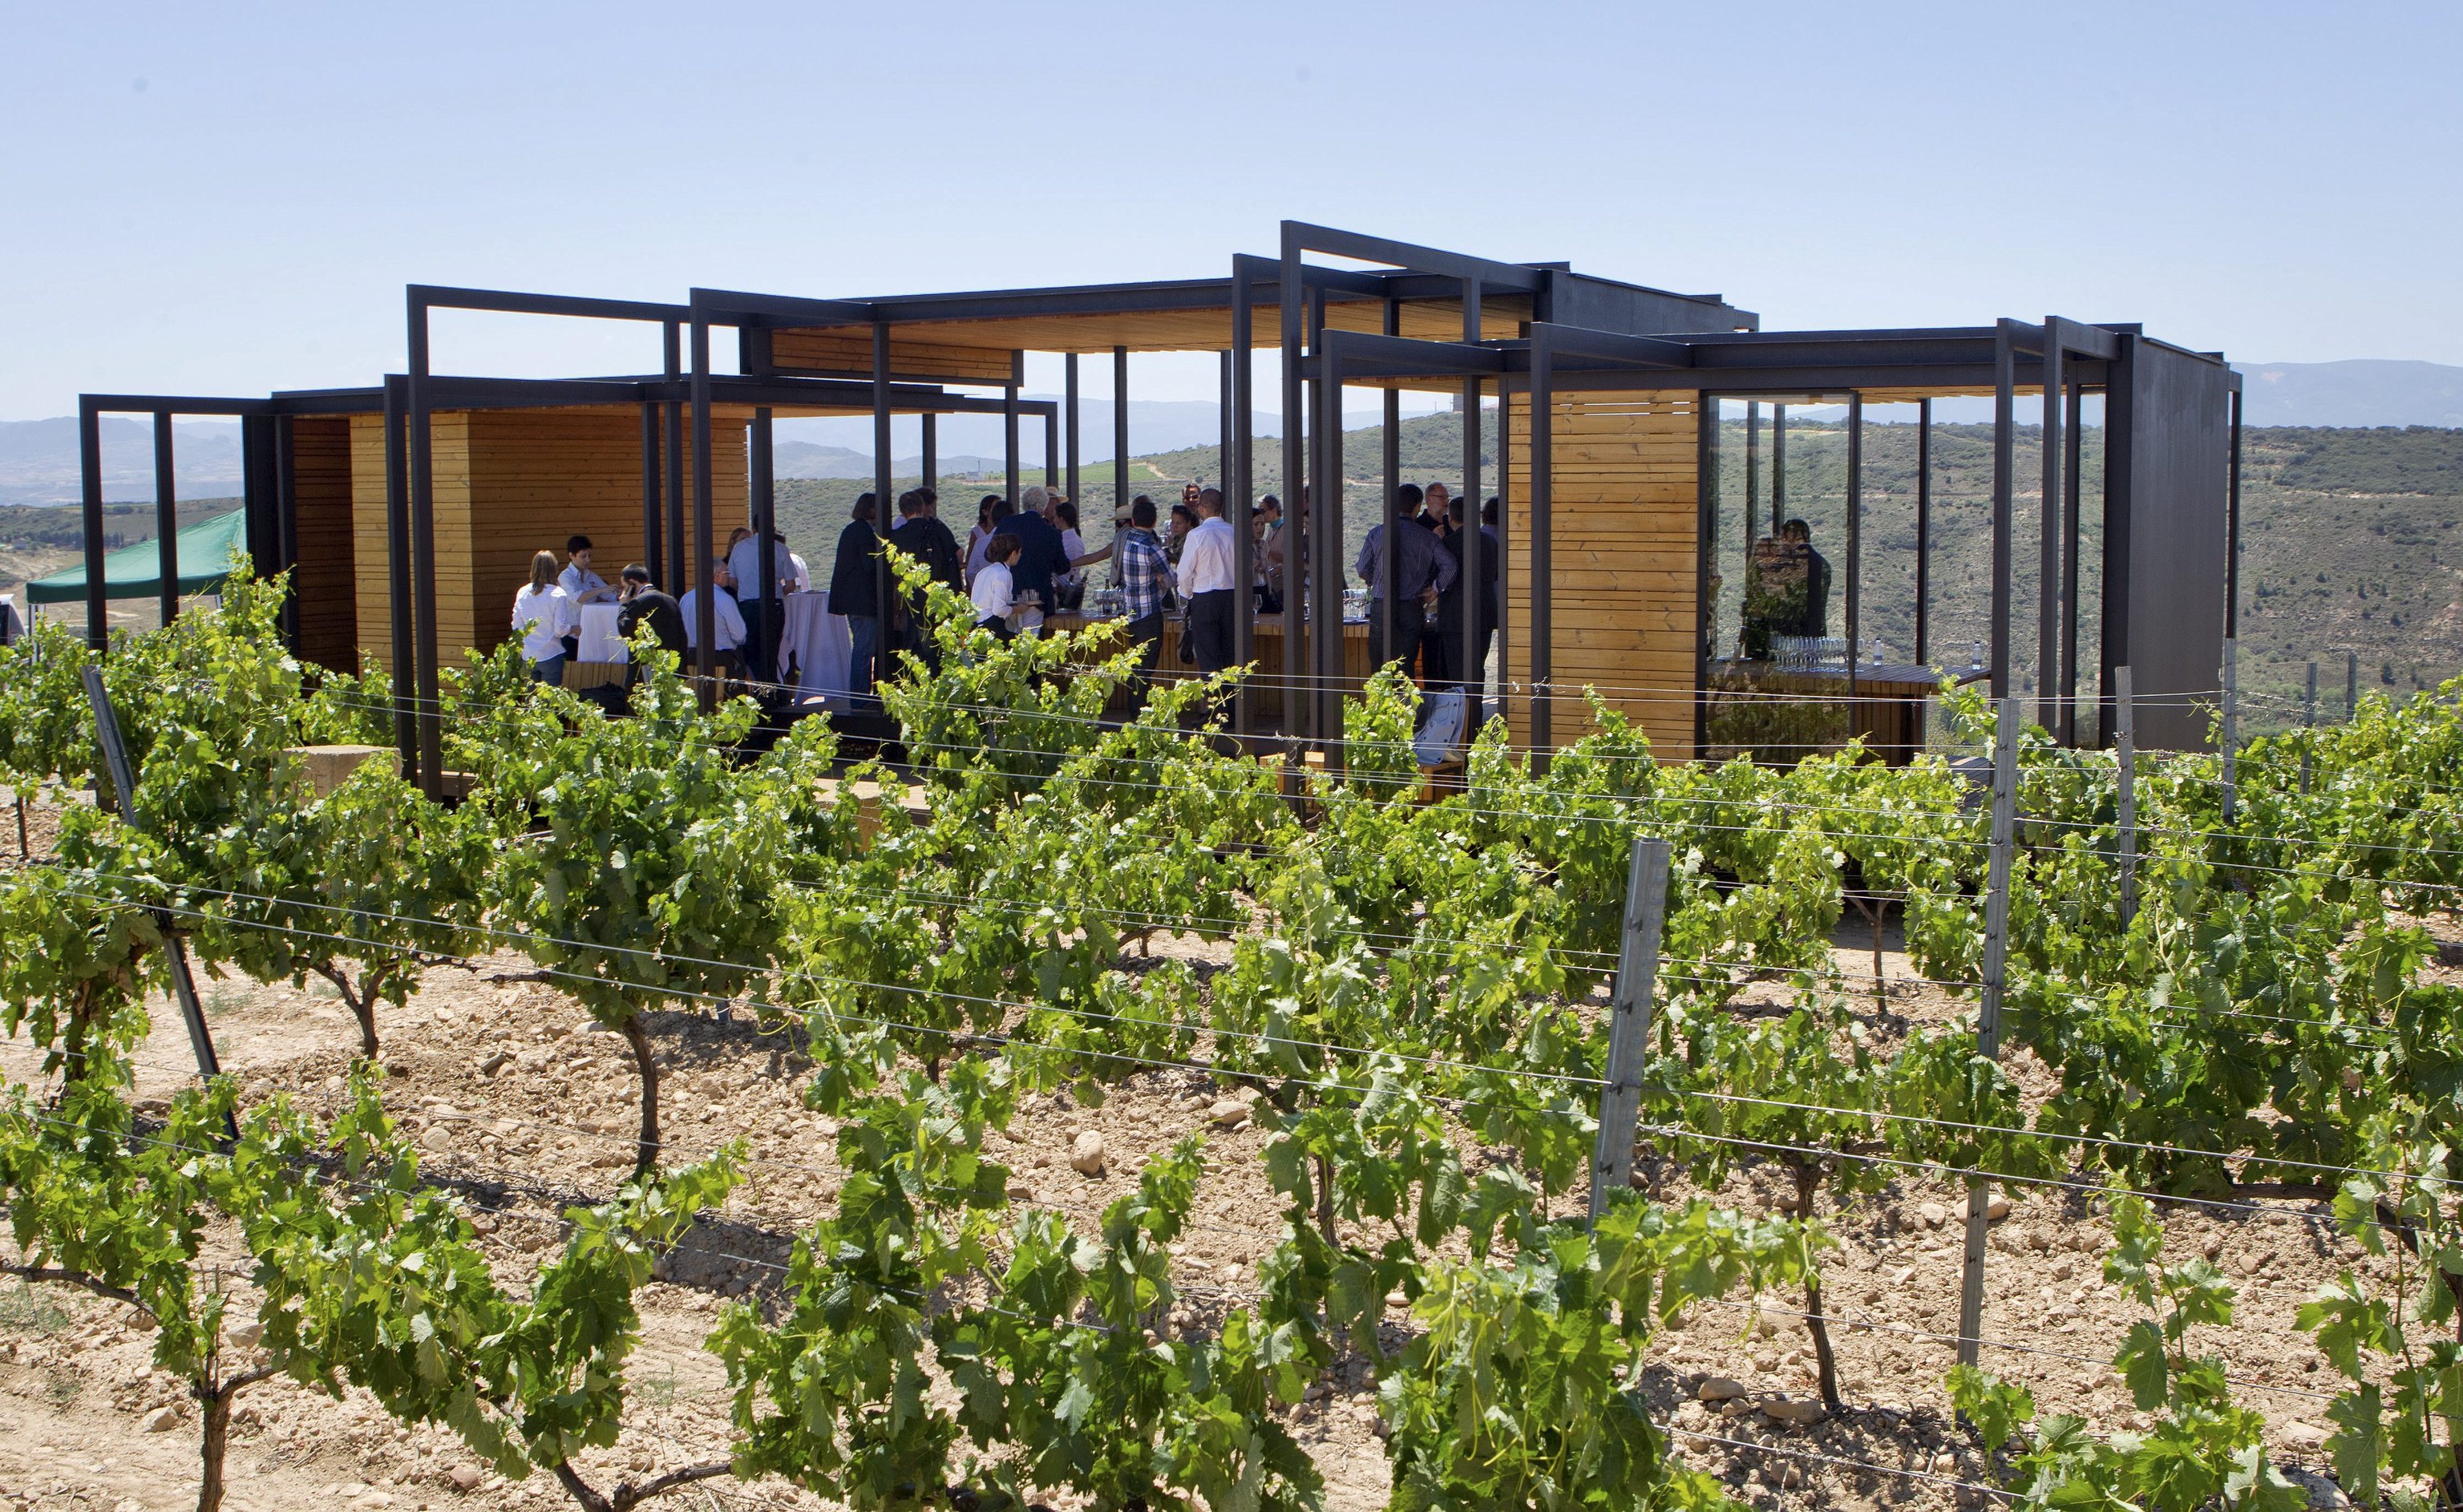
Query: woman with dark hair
point(977, 536)
point(1071, 585)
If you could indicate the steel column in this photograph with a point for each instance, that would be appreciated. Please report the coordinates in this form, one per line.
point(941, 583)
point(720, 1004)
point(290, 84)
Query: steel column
point(2231, 530)
point(1504, 550)
point(98, 613)
point(423, 557)
point(653, 550)
point(1120, 431)
point(932, 423)
point(286, 504)
point(1326, 673)
point(1474, 667)
point(881, 510)
point(1855, 529)
point(2048, 567)
point(406, 704)
point(764, 485)
point(1009, 451)
point(1754, 479)
point(1778, 467)
point(1069, 425)
point(1705, 526)
point(1543, 427)
point(1924, 532)
point(674, 502)
point(1240, 473)
point(2005, 383)
point(1389, 463)
point(1052, 452)
point(2070, 534)
point(1299, 567)
point(704, 526)
point(166, 520)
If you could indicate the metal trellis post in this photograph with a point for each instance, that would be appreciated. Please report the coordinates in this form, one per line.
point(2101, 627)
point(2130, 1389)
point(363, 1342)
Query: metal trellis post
point(1988, 1021)
point(2126, 750)
point(2308, 721)
point(2231, 727)
point(1645, 906)
point(183, 980)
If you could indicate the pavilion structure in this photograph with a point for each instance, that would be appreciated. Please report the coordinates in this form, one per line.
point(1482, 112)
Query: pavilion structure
point(407, 510)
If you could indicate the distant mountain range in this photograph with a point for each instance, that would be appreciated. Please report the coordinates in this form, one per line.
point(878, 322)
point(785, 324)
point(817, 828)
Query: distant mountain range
point(2367, 392)
point(38, 458)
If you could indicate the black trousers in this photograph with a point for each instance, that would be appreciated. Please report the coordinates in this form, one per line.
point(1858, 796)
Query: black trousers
point(1145, 638)
point(1446, 644)
point(1209, 631)
point(1406, 636)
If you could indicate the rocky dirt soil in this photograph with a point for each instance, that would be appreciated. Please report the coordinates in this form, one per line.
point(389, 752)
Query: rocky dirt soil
point(511, 1092)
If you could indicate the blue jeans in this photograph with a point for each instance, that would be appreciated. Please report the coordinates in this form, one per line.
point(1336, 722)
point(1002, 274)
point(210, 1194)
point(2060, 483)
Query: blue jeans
point(864, 630)
point(549, 670)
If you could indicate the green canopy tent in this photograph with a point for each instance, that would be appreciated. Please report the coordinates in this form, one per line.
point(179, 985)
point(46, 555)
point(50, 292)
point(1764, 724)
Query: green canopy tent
point(136, 572)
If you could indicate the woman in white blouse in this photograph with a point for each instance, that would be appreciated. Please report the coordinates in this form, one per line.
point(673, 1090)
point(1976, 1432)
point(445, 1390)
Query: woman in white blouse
point(543, 616)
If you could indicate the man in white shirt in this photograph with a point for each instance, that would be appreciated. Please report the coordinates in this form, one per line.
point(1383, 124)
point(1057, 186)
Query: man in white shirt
point(727, 620)
point(764, 616)
point(1206, 577)
point(580, 586)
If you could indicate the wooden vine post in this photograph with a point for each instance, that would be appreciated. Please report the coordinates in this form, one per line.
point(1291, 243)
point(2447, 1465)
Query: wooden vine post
point(1988, 1021)
point(1645, 909)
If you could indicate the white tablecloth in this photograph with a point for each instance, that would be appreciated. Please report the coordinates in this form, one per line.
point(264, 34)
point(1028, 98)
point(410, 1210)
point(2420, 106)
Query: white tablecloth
point(600, 640)
point(818, 643)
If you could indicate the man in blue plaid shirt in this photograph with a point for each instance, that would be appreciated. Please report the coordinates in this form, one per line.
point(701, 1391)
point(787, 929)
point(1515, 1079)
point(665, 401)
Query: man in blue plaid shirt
point(1143, 576)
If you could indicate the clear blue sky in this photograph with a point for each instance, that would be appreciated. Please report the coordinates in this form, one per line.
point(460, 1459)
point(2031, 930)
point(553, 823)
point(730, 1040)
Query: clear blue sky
point(229, 199)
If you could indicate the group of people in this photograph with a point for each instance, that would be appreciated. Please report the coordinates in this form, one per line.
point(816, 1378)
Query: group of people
point(1431, 592)
point(546, 612)
point(1022, 564)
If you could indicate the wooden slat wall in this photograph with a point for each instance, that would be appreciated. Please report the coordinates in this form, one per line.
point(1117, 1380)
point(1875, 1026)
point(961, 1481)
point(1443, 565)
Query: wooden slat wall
point(324, 579)
point(1625, 527)
point(509, 483)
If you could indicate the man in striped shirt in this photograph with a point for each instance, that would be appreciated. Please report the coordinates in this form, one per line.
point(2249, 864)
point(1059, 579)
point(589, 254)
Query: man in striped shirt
point(1143, 576)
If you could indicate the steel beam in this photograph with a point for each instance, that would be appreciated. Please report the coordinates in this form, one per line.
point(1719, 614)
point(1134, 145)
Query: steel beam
point(1513, 277)
point(507, 301)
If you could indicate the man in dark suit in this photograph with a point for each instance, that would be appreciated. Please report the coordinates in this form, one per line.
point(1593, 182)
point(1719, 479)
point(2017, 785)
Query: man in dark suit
point(1453, 670)
point(920, 534)
point(855, 592)
point(641, 603)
